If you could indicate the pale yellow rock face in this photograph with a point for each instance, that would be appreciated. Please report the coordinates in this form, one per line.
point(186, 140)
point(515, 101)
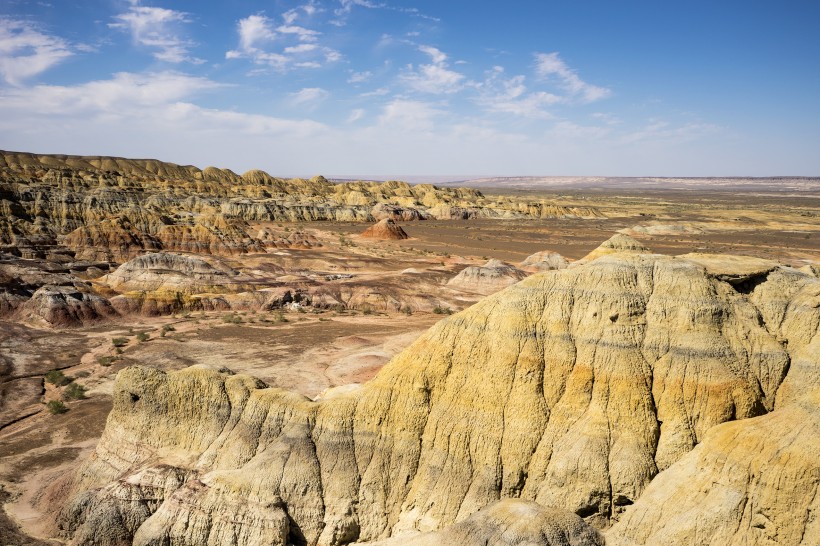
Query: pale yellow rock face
point(572, 388)
point(506, 523)
point(750, 482)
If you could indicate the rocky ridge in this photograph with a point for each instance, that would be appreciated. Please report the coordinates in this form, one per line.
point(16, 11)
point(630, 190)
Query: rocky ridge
point(113, 209)
point(643, 392)
point(386, 230)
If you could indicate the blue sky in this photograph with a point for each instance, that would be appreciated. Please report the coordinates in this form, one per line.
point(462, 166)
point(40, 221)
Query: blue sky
point(406, 87)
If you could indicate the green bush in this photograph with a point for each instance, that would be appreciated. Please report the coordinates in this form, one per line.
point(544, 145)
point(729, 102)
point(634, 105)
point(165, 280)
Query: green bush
point(232, 318)
point(443, 311)
point(119, 341)
point(105, 360)
point(143, 336)
point(55, 406)
point(74, 391)
point(56, 377)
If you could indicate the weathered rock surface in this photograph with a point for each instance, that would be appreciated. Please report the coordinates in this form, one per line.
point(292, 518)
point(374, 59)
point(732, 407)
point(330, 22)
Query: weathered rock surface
point(113, 209)
point(545, 260)
point(163, 271)
point(750, 482)
point(615, 244)
point(488, 278)
point(506, 523)
point(65, 306)
point(573, 388)
point(385, 230)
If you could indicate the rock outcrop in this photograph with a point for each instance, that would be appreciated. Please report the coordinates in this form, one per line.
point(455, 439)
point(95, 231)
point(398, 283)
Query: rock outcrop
point(545, 260)
point(750, 482)
point(488, 278)
point(65, 306)
point(113, 209)
point(509, 522)
point(163, 271)
point(573, 388)
point(385, 230)
point(615, 244)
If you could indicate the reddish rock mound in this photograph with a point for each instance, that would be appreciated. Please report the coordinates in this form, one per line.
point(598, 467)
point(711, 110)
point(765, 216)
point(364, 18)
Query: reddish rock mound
point(385, 229)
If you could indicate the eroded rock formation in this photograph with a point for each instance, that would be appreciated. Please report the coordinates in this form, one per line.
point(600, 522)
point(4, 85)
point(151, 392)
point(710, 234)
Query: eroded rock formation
point(385, 230)
point(488, 278)
point(113, 209)
point(581, 388)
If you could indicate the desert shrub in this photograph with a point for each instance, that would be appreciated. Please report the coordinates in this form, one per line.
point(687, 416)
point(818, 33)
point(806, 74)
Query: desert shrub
point(442, 310)
point(55, 407)
point(143, 336)
point(119, 341)
point(105, 360)
point(74, 391)
point(232, 318)
point(168, 328)
point(56, 377)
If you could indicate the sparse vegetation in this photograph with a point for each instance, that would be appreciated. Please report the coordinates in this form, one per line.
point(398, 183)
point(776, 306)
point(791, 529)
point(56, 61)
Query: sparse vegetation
point(106, 360)
point(143, 336)
point(74, 391)
point(119, 341)
point(442, 310)
point(57, 378)
point(232, 318)
point(56, 407)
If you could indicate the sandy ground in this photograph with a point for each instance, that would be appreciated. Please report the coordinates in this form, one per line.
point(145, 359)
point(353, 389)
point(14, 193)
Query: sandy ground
point(310, 352)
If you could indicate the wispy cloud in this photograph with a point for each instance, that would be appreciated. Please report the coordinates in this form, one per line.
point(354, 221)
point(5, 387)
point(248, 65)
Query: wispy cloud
point(26, 51)
point(410, 115)
point(501, 94)
point(309, 97)
point(142, 102)
point(359, 77)
point(124, 92)
point(259, 36)
point(435, 78)
point(158, 29)
point(348, 5)
point(355, 115)
point(550, 65)
point(656, 130)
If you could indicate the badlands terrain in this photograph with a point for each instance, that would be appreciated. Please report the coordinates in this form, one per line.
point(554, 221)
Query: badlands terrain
point(200, 357)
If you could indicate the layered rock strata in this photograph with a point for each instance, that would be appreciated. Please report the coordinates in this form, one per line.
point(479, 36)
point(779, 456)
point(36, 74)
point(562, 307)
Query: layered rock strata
point(488, 278)
point(573, 388)
point(113, 209)
point(385, 230)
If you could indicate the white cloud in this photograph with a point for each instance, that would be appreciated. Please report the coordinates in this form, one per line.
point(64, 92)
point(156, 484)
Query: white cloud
point(435, 54)
point(571, 130)
point(511, 96)
point(301, 48)
point(26, 51)
point(355, 115)
point(144, 115)
point(359, 77)
point(254, 30)
point(348, 5)
point(304, 34)
point(159, 29)
point(257, 36)
point(125, 92)
point(656, 130)
point(550, 65)
point(436, 78)
point(309, 96)
point(409, 115)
